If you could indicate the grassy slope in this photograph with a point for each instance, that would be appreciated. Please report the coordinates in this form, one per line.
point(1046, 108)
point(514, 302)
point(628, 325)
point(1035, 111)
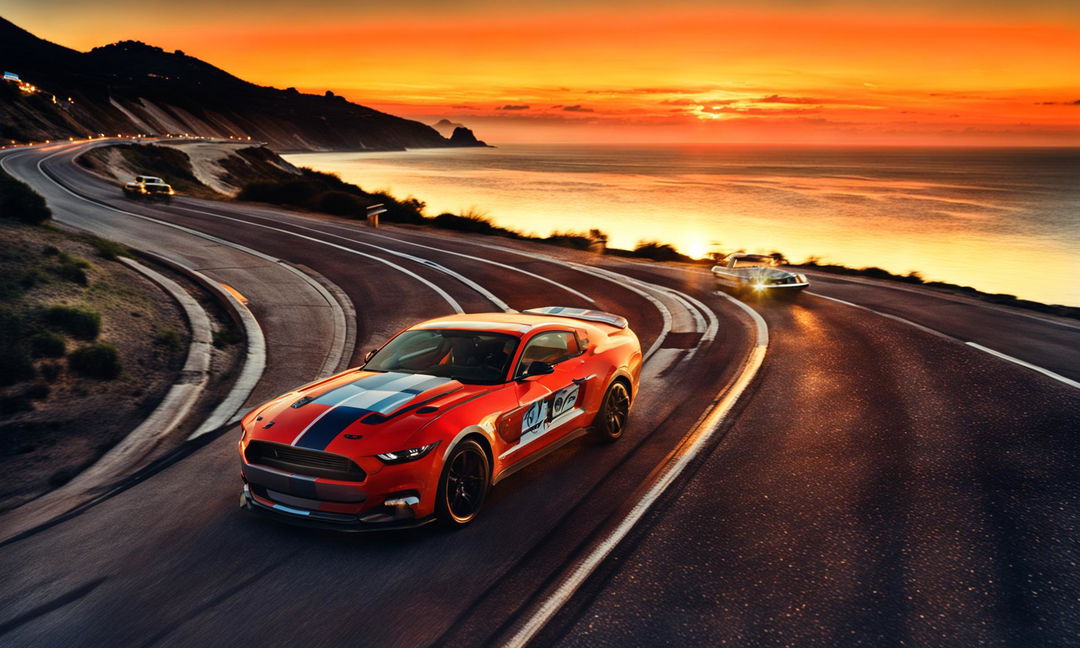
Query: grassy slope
point(54, 421)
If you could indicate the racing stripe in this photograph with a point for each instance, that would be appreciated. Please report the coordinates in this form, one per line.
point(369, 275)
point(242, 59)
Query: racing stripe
point(338, 394)
point(357, 399)
point(327, 427)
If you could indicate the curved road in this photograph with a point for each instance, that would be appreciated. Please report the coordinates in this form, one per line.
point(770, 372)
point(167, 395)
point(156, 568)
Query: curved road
point(881, 482)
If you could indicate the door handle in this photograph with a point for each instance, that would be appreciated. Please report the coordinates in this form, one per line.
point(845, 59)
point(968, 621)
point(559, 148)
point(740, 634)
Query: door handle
point(578, 381)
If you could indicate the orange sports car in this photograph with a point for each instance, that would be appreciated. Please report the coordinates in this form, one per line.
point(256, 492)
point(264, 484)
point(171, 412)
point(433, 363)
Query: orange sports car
point(438, 415)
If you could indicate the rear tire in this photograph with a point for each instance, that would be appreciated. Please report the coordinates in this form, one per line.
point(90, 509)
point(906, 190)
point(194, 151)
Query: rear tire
point(610, 421)
point(463, 484)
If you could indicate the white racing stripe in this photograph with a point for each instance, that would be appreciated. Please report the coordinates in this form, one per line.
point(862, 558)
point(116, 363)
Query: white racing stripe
point(997, 354)
point(696, 440)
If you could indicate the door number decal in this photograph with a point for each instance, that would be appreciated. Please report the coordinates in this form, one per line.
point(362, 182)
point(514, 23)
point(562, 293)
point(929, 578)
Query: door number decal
point(538, 417)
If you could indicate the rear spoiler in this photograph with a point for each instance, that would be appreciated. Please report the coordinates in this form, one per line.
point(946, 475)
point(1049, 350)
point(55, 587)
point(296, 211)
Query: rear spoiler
point(581, 314)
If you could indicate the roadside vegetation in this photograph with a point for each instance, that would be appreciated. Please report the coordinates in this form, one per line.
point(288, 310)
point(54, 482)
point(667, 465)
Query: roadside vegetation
point(79, 366)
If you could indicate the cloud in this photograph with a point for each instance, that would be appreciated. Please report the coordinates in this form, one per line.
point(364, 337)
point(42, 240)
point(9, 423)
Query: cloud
point(686, 90)
point(744, 110)
point(577, 108)
point(789, 100)
point(1058, 103)
point(514, 107)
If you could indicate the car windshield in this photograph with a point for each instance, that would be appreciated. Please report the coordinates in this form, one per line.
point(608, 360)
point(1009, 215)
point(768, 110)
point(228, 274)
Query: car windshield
point(754, 261)
point(478, 357)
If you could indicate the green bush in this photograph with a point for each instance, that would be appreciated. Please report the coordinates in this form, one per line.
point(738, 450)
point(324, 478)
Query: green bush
point(71, 268)
point(658, 252)
point(19, 202)
point(96, 361)
point(81, 323)
point(109, 250)
point(340, 203)
point(168, 338)
point(226, 336)
point(46, 344)
point(15, 283)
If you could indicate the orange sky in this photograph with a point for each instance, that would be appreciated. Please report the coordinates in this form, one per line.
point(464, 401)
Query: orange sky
point(950, 72)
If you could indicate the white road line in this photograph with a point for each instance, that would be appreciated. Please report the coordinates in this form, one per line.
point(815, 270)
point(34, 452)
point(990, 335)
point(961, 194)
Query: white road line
point(1045, 372)
point(487, 294)
point(896, 318)
point(505, 266)
point(676, 463)
point(442, 293)
point(975, 345)
point(956, 299)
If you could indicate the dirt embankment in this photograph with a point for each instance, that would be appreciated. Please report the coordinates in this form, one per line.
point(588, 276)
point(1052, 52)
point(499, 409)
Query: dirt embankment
point(89, 349)
point(206, 169)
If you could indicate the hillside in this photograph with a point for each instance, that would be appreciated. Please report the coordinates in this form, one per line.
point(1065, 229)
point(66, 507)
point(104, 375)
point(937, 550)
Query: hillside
point(130, 88)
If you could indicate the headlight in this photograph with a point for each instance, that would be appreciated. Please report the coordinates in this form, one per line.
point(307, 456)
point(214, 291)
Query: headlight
point(405, 456)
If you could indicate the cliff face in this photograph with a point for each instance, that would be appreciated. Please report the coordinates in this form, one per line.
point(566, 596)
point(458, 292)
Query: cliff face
point(464, 137)
point(131, 88)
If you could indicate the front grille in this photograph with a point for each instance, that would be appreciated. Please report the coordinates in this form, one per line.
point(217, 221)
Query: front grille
point(302, 461)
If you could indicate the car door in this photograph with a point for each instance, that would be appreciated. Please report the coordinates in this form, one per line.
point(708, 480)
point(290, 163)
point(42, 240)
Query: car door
point(551, 405)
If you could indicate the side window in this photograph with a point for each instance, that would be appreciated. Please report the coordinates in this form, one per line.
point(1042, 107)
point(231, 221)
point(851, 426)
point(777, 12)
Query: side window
point(551, 347)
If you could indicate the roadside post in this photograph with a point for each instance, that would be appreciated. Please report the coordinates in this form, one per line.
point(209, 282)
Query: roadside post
point(373, 212)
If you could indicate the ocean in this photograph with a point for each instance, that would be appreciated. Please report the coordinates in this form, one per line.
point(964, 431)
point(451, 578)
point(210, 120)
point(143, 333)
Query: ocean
point(999, 220)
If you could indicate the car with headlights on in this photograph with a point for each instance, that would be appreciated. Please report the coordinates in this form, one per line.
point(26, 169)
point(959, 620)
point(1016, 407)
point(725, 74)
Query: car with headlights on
point(758, 275)
point(150, 188)
point(442, 412)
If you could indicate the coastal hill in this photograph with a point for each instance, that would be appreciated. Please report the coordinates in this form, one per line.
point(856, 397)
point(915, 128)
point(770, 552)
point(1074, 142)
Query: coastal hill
point(130, 87)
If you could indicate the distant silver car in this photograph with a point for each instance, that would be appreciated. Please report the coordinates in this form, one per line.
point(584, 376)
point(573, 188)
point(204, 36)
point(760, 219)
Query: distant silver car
point(758, 275)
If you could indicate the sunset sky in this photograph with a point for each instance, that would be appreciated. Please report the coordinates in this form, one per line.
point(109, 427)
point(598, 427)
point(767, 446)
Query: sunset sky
point(945, 72)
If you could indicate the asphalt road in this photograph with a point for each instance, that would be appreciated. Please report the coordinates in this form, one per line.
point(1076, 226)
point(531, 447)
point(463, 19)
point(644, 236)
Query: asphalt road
point(878, 484)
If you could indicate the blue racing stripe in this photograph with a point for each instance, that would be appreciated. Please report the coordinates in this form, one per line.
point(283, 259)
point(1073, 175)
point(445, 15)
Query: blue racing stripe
point(326, 429)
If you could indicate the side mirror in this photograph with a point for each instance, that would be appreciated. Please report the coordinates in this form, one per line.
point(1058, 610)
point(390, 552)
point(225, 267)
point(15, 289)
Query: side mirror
point(537, 368)
point(369, 355)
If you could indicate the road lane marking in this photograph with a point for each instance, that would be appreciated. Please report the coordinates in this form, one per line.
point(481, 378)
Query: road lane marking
point(673, 467)
point(1045, 372)
point(896, 318)
point(975, 345)
point(487, 294)
point(234, 292)
point(442, 293)
point(956, 299)
point(505, 266)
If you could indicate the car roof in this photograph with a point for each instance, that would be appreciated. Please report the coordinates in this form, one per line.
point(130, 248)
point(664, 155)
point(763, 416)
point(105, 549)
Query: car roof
point(509, 323)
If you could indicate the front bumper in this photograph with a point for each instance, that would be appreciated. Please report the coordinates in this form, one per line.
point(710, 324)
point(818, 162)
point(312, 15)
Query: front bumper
point(257, 499)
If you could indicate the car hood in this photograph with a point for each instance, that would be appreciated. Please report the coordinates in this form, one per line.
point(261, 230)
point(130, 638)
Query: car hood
point(358, 412)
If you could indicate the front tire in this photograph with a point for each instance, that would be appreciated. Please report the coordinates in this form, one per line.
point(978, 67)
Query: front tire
point(611, 419)
point(463, 485)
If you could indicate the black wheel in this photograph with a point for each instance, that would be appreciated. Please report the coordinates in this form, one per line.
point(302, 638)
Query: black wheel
point(464, 484)
point(611, 419)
